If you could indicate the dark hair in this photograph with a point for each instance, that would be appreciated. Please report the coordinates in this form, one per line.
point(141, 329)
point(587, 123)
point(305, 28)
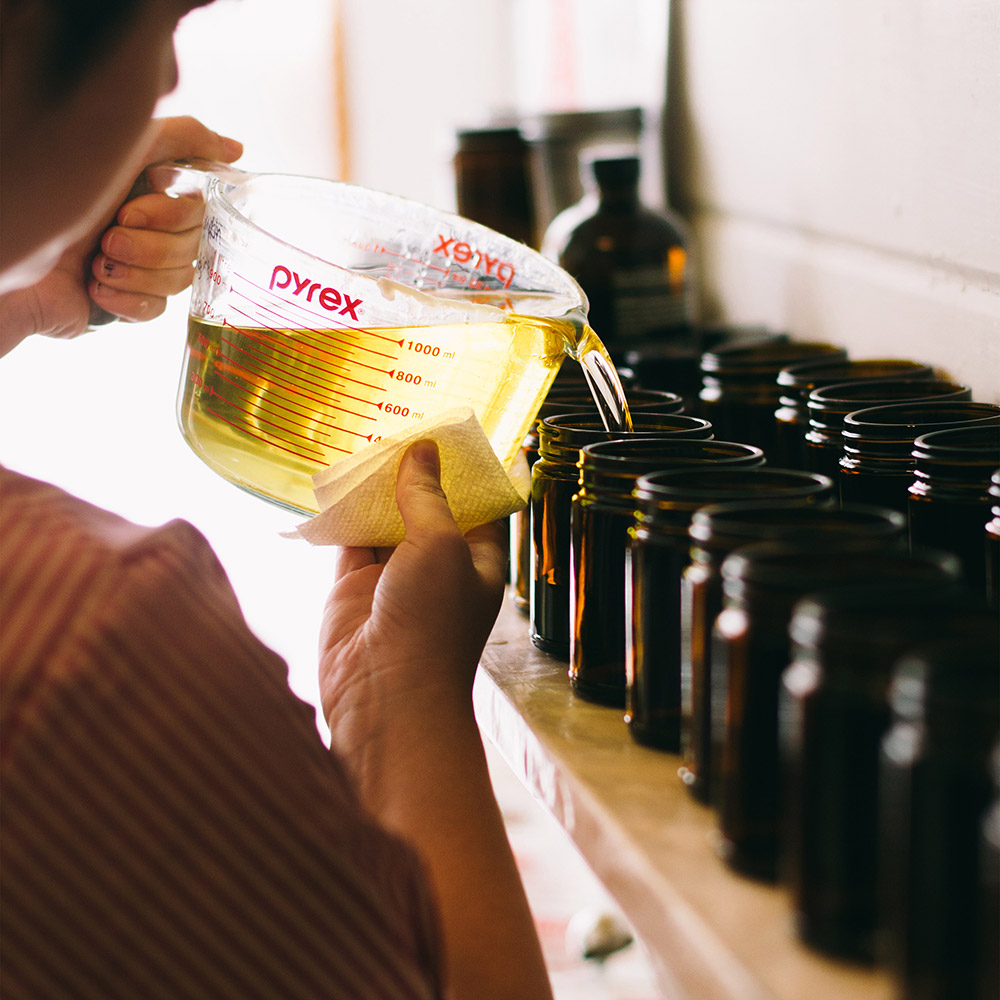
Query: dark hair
point(82, 34)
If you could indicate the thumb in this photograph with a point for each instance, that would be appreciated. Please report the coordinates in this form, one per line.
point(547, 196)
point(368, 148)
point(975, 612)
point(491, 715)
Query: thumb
point(419, 496)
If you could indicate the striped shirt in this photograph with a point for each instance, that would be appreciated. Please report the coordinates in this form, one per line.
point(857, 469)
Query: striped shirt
point(172, 825)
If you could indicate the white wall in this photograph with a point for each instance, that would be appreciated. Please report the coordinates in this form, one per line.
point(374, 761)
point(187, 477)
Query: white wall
point(841, 162)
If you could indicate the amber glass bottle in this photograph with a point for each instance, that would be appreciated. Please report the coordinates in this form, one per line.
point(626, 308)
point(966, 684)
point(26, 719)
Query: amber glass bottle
point(555, 479)
point(834, 716)
point(657, 556)
point(796, 382)
point(716, 531)
point(949, 496)
point(877, 465)
point(602, 513)
point(740, 390)
point(829, 405)
point(630, 260)
point(936, 787)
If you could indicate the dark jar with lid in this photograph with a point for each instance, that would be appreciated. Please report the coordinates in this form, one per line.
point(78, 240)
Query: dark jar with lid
point(555, 479)
point(988, 931)
point(992, 533)
point(657, 555)
point(602, 513)
point(493, 180)
point(877, 465)
point(740, 392)
point(829, 406)
point(796, 382)
point(834, 714)
point(936, 787)
point(949, 495)
point(762, 583)
point(715, 532)
point(559, 400)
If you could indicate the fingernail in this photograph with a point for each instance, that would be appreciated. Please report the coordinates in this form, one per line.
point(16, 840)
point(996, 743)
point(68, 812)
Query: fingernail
point(426, 453)
point(133, 218)
point(117, 245)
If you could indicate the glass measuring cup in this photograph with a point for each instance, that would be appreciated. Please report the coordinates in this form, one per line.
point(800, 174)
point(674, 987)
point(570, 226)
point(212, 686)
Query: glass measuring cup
point(325, 316)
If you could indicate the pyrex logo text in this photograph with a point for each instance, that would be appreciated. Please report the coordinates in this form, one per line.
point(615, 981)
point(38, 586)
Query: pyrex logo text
point(462, 253)
point(329, 298)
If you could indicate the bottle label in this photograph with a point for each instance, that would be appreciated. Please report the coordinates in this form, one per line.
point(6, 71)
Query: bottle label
point(644, 303)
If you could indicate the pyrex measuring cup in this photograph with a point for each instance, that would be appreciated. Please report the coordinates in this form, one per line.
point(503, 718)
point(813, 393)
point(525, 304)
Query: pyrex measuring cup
point(325, 316)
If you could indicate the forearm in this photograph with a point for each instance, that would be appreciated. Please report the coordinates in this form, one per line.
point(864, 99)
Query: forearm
point(424, 775)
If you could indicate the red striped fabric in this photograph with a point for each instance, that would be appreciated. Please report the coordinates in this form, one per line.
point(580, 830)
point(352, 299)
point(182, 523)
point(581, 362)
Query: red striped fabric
point(172, 825)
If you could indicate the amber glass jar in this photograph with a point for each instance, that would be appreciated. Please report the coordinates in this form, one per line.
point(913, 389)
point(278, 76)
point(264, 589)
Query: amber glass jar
point(658, 553)
point(555, 479)
point(493, 181)
point(715, 532)
point(740, 389)
point(602, 513)
point(829, 406)
point(988, 932)
point(833, 717)
point(877, 465)
point(559, 400)
point(761, 585)
point(797, 381)
point(949, 496)
point(992, 533)
point(936, 787)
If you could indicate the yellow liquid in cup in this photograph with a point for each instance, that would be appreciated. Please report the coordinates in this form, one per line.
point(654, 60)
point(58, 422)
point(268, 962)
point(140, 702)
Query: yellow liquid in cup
point(267, 409)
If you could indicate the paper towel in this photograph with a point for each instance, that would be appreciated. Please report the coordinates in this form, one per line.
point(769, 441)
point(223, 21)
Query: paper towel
point(357, 495)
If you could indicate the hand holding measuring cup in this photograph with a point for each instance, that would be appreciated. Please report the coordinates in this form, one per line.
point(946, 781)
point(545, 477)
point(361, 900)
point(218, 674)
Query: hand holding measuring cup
point(149, 258)
point(326, 317)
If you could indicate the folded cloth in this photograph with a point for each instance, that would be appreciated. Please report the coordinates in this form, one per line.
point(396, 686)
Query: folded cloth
point(357, 495)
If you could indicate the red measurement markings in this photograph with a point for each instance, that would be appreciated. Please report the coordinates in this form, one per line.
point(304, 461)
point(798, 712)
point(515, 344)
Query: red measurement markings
point(295, 415)
point(269, 371)
point(269, 440)
point(290, 388)
point(281, 337)
point(250, 335)
point(253, 413)
point(325, 317)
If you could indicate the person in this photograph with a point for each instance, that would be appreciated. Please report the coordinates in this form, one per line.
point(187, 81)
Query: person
point(172, 823)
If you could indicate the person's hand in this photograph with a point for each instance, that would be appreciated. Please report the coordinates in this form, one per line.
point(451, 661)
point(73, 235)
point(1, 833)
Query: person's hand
point(129, 263)
point(402, 636)
point(409, 624)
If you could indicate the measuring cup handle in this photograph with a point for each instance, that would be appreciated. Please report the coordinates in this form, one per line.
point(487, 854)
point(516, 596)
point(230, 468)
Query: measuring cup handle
point(187, 175)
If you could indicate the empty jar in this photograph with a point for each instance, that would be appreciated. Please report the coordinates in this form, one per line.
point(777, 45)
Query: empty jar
point(834, 715)
point(740, 390)
point(829, 406)
point(602, 513)
point(949, 495)
point(565, 399)
point(797, 381)
point(992, 535)
point(878, 465)
point(761, 585)
point(658, 553)
point(936, 787)
point(555, 479)
point(715, 532)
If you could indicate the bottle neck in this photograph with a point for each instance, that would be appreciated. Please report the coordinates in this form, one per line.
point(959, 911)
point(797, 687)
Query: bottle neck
point(616, 198)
